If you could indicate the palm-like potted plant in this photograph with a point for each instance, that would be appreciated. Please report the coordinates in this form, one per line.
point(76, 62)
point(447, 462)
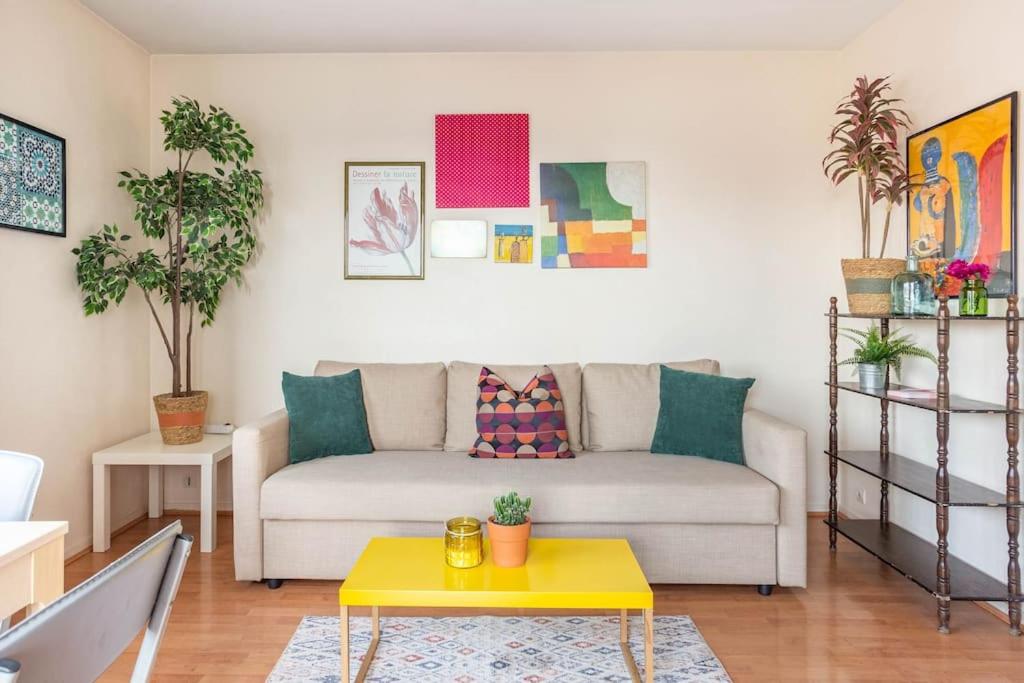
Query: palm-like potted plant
point(865, 139)
point(874, 353)
point(509, 529)
point(200, 231)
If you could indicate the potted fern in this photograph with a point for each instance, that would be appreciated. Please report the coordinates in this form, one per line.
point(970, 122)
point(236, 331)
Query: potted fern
point(875, 353)
point(509, 529)
point(865, 139)
point(199, 232)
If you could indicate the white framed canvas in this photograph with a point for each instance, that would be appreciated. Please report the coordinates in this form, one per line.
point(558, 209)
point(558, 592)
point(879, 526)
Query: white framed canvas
point(384, 217)
point(458, 239)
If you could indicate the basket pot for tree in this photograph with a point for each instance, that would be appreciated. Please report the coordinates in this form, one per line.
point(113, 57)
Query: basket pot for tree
point(869, 284)
point(508, 543)
point(181, 418)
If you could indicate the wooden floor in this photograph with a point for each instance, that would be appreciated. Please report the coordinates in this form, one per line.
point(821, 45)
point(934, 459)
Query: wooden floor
point(856, 621)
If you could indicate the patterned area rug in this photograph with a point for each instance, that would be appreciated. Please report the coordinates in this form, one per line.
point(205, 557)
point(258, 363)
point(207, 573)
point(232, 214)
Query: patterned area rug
point(477, 649)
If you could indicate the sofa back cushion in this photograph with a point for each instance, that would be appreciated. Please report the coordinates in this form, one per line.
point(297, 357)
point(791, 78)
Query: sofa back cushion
point(405, 402)
point(621, 402)
point(463, 392)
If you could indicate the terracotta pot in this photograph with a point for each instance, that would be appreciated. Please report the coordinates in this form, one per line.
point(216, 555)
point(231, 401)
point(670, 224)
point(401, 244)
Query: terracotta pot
point(869, 284)
point(181, 418)
point(508, 543)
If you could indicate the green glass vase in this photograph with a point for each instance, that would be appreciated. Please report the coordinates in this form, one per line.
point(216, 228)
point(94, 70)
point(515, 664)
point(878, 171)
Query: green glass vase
point(974, 299)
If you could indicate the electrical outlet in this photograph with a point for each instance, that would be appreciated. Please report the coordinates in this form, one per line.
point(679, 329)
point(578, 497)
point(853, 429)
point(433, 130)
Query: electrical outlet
point(188, 481)
point(862, 496)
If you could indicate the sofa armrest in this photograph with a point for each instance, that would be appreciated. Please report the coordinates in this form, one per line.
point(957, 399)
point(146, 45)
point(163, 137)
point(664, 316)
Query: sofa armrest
point(259, 449)
point(778, 451)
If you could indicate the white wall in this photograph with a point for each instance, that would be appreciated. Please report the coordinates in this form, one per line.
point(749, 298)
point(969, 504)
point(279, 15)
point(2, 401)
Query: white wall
point(741, 237)
point(71, 385)
point(946, 57)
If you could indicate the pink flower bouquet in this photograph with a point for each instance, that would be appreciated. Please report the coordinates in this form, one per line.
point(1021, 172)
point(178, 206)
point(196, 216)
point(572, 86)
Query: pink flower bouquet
point(962, 270)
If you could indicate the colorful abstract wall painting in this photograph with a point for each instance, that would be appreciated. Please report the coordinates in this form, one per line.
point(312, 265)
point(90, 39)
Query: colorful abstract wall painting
point(513, 244)
point(962, 202)
point(482, 160)
point(33, 193)
point(593, 215)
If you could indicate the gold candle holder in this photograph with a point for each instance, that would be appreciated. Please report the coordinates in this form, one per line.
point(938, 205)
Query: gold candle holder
point(463, 542)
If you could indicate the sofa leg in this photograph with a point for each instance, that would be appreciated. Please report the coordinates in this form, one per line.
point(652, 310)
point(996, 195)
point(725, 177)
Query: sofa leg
point(765, 589)
point(274, 584)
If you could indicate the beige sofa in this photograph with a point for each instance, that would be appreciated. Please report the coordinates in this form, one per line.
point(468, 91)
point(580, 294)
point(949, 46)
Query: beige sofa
point(688, 519)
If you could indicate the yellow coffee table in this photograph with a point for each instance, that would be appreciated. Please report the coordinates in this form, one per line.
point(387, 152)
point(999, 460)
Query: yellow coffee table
point(558, 574)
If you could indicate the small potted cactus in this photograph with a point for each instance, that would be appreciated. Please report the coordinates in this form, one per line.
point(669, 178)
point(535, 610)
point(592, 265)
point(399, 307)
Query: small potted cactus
point(509, 530)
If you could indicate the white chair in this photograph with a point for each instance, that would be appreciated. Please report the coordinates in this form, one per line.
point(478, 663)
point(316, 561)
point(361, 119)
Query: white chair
point(78, 636)
point(19, 480)
point(20, 474)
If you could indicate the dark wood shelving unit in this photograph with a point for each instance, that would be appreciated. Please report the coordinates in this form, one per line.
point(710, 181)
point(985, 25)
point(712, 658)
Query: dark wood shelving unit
point(919, 479)
point(954, 403)
point(930, 565)
point(914, 558)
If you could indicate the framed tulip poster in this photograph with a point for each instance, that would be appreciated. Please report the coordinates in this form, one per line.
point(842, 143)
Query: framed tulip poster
point(384, 216)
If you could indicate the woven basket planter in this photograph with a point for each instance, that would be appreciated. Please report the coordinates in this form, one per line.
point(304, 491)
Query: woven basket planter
point(181, 418)
point(869, 284)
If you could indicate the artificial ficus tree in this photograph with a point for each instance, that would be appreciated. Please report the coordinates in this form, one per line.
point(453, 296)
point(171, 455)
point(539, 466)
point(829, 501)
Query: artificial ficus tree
point(199, 225)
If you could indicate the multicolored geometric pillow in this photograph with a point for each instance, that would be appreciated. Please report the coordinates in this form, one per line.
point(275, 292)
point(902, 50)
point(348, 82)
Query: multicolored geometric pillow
point(520, 424)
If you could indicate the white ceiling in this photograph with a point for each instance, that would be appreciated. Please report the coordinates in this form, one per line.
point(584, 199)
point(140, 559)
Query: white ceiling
point(254, 26)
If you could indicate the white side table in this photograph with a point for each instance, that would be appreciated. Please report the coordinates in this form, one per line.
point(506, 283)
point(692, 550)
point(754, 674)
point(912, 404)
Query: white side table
point(149, 449)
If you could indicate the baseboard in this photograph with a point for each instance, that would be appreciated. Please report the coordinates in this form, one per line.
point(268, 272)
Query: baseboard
point(994, 611)
point(188, 512)
point(113, 534)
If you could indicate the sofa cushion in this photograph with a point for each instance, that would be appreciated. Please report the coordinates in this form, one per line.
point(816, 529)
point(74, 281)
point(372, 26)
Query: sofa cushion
point(463, 393)
point(621, 402)
point(606, 487)
point(701, 414)
point(529, 423)
point(326, 416)
point(405, 402)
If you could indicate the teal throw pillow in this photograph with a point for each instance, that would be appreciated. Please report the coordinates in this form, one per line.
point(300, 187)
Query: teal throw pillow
point(326, 416)
point(701, 415)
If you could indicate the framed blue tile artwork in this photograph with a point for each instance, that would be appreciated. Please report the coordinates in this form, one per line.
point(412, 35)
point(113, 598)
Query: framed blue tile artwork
point(33, 187)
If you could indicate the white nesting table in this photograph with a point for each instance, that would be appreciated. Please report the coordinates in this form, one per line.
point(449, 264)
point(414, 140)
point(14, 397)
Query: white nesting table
point(149, 449)
point(31, 565)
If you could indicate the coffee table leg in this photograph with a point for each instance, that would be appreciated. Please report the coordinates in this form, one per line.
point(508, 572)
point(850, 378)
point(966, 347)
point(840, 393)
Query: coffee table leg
point(649, 645)
point(344, 644)
point(364, 668)
point(627, 654)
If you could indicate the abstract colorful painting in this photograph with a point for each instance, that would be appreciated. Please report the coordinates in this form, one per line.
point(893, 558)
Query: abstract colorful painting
point(33, 194)
point(482, 160)
point(962, 200)
point(593, 215)
point(384, 220)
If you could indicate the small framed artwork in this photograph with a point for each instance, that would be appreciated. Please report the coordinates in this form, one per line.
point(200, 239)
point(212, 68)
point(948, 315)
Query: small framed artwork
point(513, 244)
point(384, 217)
point(962, 202)
point(33, 179)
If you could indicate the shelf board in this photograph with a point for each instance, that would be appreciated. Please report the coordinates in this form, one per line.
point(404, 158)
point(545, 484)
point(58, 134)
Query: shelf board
point(957, 404)
point(919, 479)
point(933, 318)
point(915, 558)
